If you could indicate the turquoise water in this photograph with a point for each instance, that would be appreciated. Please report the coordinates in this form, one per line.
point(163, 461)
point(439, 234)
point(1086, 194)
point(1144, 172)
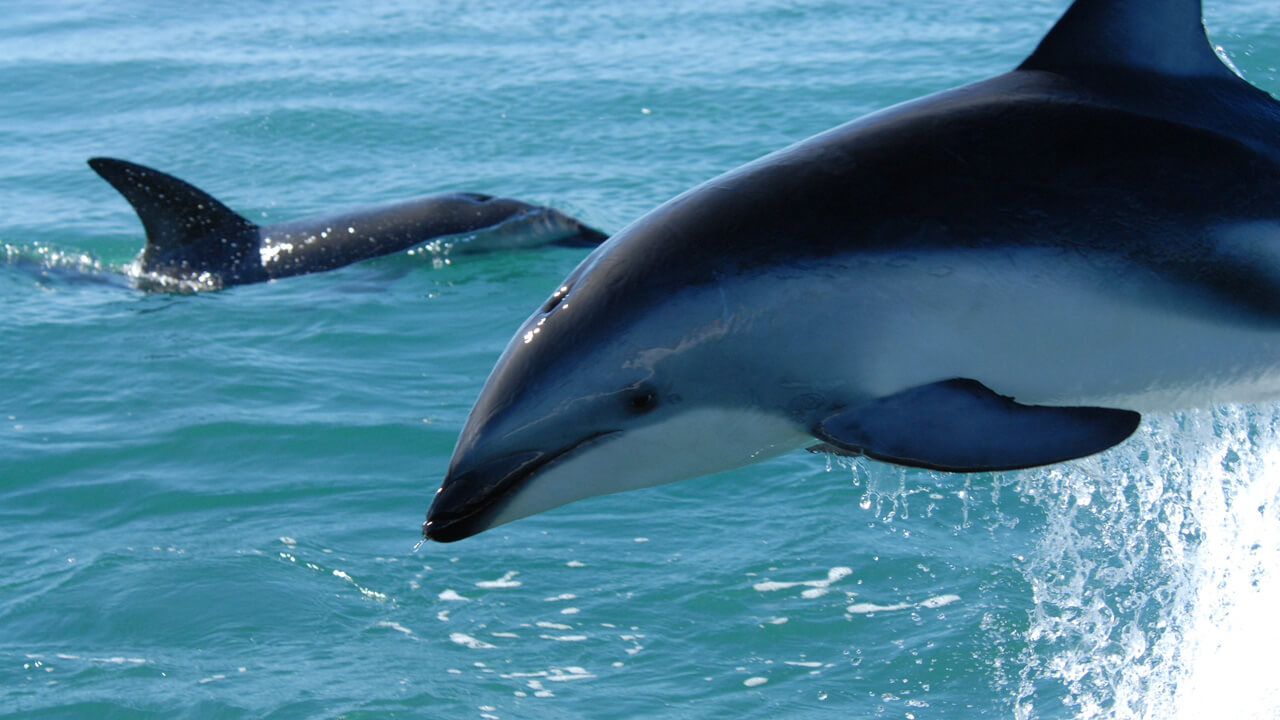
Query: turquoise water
point(209, 503)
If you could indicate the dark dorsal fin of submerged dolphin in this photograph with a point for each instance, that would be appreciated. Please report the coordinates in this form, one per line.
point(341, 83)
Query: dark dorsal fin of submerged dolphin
point(184, 225)
point(194, 242)
point(999, 276)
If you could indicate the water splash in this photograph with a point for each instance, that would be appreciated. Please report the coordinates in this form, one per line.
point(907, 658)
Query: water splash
point(438, 250)
point(162, 282)
point(48, 263)
point(1155, 580)
point(1155, 577)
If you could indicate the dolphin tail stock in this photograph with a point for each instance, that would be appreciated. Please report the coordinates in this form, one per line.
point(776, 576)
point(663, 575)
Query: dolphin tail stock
point(587, 237)
point(185, 226)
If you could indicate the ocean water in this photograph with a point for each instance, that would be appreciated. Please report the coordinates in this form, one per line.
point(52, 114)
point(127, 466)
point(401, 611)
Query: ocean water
point(209, 503)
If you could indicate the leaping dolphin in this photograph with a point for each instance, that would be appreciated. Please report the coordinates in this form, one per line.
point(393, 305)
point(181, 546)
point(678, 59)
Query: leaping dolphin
point(994, 277)
point(195, 242)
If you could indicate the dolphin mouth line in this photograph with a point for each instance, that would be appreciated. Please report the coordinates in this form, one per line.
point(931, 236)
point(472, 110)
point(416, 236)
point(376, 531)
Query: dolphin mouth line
point(432, 529)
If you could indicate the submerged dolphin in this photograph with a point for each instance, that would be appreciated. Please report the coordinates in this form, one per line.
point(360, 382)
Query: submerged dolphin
point(195, 242)
point(999, 276)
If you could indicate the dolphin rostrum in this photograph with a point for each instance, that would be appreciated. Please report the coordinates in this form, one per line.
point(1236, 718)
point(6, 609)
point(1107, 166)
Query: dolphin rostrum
point(195, 242)
point(999, 276)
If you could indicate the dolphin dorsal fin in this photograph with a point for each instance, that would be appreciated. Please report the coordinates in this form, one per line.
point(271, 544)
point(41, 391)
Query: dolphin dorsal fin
point(181, 220)
point(1161, 36)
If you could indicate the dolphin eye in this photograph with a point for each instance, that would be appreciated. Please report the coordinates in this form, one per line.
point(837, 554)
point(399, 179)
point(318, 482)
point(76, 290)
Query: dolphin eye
point(642, 400)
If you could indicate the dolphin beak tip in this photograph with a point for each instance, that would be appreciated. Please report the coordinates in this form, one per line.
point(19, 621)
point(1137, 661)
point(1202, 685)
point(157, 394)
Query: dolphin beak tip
point(443, 526)
point(433, 531)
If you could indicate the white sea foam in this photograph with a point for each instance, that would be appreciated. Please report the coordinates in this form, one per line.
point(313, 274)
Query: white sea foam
point(113, 660)
point(928, 604)
point(814, 588)
point(555, 674)
point(564, 638)
point(467, 641)
point(395, 626)
point(503, 582)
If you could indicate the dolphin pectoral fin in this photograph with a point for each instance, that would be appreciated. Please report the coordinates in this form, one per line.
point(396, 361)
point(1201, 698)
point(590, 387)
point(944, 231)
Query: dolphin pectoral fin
point(963, 426)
